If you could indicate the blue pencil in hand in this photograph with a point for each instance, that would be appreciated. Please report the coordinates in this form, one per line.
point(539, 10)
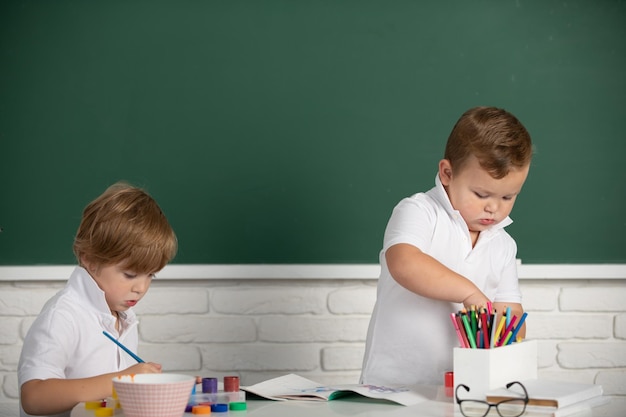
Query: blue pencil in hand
point(124, 348)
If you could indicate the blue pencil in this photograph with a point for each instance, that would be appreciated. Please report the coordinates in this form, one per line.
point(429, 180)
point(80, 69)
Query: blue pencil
point(508, 315)
point(124, 348)
point(519, 326)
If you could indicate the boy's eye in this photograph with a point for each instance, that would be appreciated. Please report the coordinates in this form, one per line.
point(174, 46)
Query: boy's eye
point(131, 275)
point(480, 195)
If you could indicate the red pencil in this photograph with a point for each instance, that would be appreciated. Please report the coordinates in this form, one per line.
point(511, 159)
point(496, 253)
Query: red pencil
point(462, 329)
point(485, 330)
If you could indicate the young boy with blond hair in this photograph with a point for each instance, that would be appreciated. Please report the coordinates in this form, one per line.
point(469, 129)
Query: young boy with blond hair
point(447, 249)
point(122, 241)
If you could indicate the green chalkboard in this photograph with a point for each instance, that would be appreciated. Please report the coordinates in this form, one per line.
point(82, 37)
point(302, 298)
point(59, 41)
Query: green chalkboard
point(286, 131)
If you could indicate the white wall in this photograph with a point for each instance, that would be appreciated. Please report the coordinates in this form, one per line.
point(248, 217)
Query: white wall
point(315, 323)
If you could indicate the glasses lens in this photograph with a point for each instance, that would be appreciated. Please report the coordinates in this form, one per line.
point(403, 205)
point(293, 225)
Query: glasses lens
point(511, 408)
point(471, 408)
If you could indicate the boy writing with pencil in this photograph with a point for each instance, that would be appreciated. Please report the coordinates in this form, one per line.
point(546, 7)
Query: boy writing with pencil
point(447, 249)
point(122, 241)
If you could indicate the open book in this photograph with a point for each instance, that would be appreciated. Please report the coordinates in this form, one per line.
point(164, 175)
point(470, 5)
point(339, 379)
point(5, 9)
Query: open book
point(295, 387)
point(546, 393)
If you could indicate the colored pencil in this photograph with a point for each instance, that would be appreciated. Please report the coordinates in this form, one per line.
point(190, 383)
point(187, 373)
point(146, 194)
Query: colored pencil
point(507, 331)
point(124, 348)
point(485, 330)
point(468, 329)
point(517, 328)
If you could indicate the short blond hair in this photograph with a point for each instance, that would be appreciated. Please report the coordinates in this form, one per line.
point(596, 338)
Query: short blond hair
point(125, 225)
point(494, 136)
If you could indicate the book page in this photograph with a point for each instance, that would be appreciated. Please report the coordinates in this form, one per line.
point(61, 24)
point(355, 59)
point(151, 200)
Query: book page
point(294, 387)
point(288, 386)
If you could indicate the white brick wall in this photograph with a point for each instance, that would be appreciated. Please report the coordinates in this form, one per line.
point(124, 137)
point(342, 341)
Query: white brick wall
point(261, 328)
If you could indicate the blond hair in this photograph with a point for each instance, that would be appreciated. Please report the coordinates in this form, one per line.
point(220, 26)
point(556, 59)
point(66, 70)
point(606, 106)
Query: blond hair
point(494, 136)
point(124, 225)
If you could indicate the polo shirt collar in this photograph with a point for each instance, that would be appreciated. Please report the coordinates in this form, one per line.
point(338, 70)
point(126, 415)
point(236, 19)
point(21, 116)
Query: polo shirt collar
point(93, 299)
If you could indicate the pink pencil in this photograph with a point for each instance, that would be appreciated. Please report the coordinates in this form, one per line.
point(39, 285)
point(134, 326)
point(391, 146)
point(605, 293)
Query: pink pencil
point(458, 331)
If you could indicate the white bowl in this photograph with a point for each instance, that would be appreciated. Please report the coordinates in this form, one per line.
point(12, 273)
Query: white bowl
point(154, 395)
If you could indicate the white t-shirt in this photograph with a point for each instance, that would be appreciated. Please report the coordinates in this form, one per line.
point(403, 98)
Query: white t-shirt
point(410, 337)
point(66, 339)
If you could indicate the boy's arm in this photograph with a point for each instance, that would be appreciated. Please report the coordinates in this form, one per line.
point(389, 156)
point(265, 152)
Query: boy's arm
point(53, 396)
point(424, 275)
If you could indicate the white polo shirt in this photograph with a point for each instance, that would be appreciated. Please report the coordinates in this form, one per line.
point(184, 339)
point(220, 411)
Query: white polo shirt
point(66, 339)
point(410, 337)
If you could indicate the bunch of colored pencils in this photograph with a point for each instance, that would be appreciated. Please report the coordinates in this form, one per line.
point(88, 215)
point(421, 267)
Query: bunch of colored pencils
point(483, 328)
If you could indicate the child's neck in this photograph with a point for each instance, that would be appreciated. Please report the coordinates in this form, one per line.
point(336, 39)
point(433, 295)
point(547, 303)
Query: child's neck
point(474, 237)
point(118, 324)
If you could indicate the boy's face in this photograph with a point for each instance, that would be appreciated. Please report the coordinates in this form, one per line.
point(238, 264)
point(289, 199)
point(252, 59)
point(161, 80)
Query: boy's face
point(481, 199)
point(122, 288)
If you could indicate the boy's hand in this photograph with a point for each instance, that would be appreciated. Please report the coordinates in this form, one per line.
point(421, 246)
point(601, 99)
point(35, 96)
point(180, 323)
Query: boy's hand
point(476, 299)
point(144, 368)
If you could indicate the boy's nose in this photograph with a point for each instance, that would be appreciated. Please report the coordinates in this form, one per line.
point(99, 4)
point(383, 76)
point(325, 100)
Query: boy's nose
point(491, 207)
point(141, 286)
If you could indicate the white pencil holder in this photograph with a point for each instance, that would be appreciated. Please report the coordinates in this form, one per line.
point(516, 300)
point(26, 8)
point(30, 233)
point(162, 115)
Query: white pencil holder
point(486, 369)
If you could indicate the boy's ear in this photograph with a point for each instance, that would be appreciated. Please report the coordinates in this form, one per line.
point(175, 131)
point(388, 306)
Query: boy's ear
point(85, 263)
point(445, 171)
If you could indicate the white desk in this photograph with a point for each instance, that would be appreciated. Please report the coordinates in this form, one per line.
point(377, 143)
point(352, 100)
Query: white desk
point(347, 406)
point(437, 406)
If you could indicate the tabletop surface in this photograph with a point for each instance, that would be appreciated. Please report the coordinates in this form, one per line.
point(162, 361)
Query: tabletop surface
point(438, 405)
point(351, 406)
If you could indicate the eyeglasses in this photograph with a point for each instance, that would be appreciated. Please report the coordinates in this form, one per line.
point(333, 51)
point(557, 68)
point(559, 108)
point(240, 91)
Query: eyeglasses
point(506, 408)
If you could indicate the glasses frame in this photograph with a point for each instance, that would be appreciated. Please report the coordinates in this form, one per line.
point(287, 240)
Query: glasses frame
point(509, 385)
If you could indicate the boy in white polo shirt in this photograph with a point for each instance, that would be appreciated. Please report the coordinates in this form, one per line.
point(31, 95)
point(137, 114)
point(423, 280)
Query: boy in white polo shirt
point(447, 248)
point(122, 241)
